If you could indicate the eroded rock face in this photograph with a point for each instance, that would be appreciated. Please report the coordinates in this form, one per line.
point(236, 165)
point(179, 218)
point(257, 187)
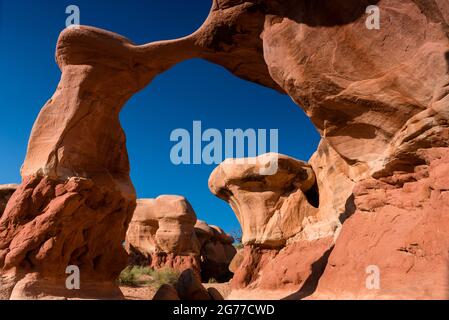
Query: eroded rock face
point(295, 268)
point(49, 225)
point(283, 232)
point(358, 86)
point(165, 233)
point(401, 229)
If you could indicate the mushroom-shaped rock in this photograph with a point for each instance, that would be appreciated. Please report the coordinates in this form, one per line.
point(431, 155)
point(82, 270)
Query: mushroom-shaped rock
point(162, 230)
point(270, 208)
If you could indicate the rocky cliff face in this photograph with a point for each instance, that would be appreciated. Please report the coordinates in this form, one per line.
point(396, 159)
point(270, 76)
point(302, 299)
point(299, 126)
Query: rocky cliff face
point(379, 98)
point(165, 233)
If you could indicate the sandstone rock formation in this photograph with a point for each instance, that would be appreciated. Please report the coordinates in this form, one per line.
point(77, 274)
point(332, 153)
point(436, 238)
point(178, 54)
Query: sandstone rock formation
point(217, 252)
point(189, 287)
point(401, 228)
point(6, 191)
point(76, 199)
point(379, 98)
point(273, 210)
point(162, 233)
point(270, 208)
point(165, 232)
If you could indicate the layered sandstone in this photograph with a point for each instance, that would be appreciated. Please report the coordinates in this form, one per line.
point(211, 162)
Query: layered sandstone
point(401, 228)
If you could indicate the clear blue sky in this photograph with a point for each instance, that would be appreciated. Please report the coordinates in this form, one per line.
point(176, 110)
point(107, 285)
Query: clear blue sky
point(193, 90)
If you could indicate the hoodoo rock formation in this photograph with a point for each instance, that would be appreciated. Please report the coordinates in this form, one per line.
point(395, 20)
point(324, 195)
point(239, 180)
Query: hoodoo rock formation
point(273, 208)
point(378, 97)
point(274, 211)
point(165, 233)
point(161, 234)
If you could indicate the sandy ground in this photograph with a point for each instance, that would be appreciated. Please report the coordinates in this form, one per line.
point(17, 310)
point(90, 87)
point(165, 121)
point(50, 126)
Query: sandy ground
point(223, 288)
point(147, 293)
point(259, 294)
point(138, 293)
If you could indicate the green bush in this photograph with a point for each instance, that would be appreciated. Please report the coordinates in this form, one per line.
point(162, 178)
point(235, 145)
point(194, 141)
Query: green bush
point(144, 276)
point(164, 276)
point(128, 277)
point(238, 245)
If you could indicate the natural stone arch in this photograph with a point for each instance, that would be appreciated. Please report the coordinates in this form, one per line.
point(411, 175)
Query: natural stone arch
point(76, 182)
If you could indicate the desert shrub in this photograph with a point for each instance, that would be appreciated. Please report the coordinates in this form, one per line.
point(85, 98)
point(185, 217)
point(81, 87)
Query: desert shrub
point(132, 276)
point(144, 276)
point(163, 276)
point(128, 277)
point(212, 280)
point(238, 245)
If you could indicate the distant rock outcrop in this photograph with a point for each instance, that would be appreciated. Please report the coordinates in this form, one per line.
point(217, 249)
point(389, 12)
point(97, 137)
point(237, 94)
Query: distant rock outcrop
point(6, 191)
point(165, 232)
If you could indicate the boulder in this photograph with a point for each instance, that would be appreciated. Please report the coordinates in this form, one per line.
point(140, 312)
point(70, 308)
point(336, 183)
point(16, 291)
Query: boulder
point(215, 294)
point(189, 287)
point(165, 224)
point(217, 252)
point(161, 234)
point(166, 293)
